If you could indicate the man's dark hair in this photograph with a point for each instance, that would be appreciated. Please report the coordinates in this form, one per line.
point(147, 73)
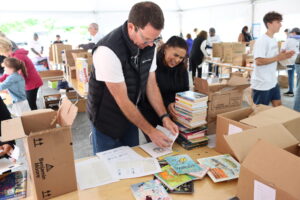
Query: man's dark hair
point(272, 16)
point(147, 12)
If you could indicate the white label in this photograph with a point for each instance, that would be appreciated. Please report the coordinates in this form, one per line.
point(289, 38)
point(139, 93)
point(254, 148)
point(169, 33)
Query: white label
point(232, 129)
point(263, 192)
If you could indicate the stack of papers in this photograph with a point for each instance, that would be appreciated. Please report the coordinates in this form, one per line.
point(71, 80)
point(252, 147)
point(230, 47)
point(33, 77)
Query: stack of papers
point(156, 151)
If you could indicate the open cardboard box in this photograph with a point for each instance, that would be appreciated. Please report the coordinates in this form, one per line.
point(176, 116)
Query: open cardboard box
point(241, 143)
point(222, 97)
point(269, 172)
point(48, 145)
point(229, 123)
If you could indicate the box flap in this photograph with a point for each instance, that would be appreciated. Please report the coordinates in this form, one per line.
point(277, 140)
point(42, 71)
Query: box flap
point(237, 81)
point(276, 134)
point(278, 114)
point(276, 166)
point(12, 129)
point(66, 113)
point(294, 127)
point(201, 85)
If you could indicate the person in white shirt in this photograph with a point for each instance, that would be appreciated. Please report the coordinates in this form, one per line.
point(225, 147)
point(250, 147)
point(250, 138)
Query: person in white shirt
point(266, 55)
point(35, 46)
point(291, 44)
point(213, 38)
point(95, 34)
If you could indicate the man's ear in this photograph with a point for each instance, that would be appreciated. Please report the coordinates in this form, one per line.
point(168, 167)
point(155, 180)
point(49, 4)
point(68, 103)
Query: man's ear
point(131, 27)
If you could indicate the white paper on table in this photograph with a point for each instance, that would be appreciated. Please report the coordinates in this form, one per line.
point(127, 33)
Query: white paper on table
point(136, 168)
point(263, 191)
point(15, 153)
point(93, 172)
point(120, 153)
point(232, 129)
point(6, 165)
point(156, 151)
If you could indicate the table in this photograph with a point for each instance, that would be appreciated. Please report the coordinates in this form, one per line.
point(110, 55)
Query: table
point(228, 65)
point(51, 74)
point(74, 84)
point(203, 189)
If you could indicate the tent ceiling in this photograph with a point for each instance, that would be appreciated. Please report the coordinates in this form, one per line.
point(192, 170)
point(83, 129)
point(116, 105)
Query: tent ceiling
point(110, 5)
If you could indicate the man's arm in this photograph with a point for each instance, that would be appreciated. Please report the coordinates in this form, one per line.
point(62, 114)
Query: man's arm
point(283, 55)
point(155, 99)
point(35, 52)
point(119, 92)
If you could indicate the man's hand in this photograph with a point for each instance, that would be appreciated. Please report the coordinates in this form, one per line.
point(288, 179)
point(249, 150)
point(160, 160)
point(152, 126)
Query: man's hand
point(159, 138)
point(6, 149)
point(171, 109)
point(283, 55)
point(169, 124)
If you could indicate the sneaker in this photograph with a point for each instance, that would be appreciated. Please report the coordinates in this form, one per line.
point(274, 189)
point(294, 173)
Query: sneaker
point(288, 94)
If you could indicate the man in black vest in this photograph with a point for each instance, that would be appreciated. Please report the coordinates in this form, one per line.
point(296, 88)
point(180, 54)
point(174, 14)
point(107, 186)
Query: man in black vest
point(123, 75)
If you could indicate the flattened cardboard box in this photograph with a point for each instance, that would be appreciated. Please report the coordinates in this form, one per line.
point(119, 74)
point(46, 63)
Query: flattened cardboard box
point(222, 97)
point(241, 143)
point(229, 123)
point(272, 167)
point(48, 148)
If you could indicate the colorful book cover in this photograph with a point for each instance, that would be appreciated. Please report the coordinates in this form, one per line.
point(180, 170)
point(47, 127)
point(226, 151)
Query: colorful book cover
point(152, 189)
point(222, 167)
point(202, 173)
point(186, 188)
point(183, 164)
point(171, 179)
point(192, 96)
point(13, 185)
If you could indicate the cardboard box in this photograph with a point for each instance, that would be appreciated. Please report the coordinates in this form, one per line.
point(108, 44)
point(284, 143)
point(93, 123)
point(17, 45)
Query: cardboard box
point(68, 58)
point(51, 73)
point(280, 114)
point(270, 168)
point(48, 145)
point(240, 144)
point(217, 50)
point(223, 97)
point(82, 74)
point(229, 123)
point(86, 55)
point(77, 100)
point(57, 52)
point(52, 101)
point(233, 53)
point(283, 81)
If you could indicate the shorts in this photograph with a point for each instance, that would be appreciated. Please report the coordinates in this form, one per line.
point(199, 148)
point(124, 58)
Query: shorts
point(266, 96)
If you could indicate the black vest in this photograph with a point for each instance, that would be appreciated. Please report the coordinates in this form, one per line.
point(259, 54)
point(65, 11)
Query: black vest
point(196, 55)
point(102, 108)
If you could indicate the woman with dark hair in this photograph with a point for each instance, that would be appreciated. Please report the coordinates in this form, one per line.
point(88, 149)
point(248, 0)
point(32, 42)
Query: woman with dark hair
point(198, 53)
point(171, 76)
point(245, 35)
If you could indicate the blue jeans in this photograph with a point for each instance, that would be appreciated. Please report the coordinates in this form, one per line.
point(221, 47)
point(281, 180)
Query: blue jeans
point(297, 95)
point(291, 71)
point(102, 142)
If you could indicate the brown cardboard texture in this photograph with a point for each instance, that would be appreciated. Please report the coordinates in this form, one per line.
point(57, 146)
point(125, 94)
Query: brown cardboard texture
point(241, 143)
point(48, 146)
point(294, 127)
point(222, 97)
point(273, 167)
point(280, 114)
point(229, 123)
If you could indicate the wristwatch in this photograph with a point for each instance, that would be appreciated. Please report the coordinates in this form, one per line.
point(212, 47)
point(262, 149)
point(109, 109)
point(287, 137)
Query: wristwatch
point(163, 116)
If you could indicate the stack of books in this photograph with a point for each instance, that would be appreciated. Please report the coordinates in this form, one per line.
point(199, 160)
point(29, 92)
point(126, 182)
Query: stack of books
point(191, 113)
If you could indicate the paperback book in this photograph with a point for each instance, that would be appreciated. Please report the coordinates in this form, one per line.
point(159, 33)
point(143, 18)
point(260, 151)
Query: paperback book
point(186, 188)
point(13, 185)
point(171, 179)
point(222, 167)
point(183, 164)
point(152, 189)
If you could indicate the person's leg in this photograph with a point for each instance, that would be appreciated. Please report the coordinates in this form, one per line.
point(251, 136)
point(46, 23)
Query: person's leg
point(130, 137)
point(31, 98)
point(275, 96)
point(297, 92)
point(261, 97)
point(102, 142)
point(194, 68)
point(199, 68)
point(290, 70)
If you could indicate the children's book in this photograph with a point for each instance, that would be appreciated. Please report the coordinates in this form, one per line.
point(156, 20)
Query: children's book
point(202, 173)
point(186, 188)
point(192, 96)
point(222, 167)
point(13, 185)
point(171, 179)
point(183, 164)
point(150, 190)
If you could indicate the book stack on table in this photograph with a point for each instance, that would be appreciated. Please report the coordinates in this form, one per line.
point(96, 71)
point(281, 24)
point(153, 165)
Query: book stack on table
point(191, 112)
